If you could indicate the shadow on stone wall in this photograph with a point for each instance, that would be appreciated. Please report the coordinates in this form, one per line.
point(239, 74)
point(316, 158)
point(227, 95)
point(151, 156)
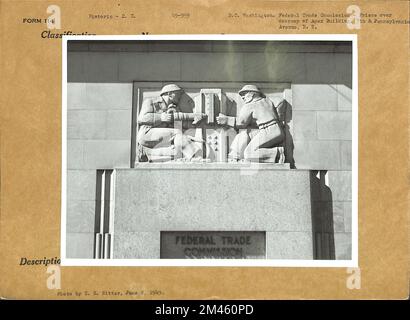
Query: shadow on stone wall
point(284, 109)
point(186, 103)
point(322, 217)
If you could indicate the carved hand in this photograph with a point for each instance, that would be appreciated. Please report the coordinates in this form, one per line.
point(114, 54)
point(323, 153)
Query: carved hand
point(222, 119)
point(172, 108)
point(166, 117)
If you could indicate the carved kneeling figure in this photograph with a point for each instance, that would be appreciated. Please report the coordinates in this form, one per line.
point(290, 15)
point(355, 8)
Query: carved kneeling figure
point(264, 144)
point(156, 137)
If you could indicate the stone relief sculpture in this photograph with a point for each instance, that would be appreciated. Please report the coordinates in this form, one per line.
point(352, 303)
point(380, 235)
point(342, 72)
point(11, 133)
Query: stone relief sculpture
point(212, 131)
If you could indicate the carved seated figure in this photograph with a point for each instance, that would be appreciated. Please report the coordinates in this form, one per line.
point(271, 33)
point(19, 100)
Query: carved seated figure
point(264, 144)
point(157, 137)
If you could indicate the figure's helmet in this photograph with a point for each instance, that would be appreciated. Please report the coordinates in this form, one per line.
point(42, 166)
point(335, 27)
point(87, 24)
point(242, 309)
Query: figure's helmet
point(250, 87)
point(169, 88)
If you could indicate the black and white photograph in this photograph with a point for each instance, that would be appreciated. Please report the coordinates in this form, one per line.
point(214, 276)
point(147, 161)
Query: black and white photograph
point(209, 150)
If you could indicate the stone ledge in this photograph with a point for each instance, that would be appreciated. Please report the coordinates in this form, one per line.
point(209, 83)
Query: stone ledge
point(210, 166)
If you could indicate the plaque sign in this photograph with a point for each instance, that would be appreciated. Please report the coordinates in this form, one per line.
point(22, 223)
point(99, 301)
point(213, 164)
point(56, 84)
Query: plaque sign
point(213, 245)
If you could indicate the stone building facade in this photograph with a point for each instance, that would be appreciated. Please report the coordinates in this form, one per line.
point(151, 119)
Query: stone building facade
point(103, 82)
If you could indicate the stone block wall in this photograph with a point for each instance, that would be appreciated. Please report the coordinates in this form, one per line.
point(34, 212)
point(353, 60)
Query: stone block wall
point(322, 126)
point(98, 125)
point(212, 199)
point(98, 137)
